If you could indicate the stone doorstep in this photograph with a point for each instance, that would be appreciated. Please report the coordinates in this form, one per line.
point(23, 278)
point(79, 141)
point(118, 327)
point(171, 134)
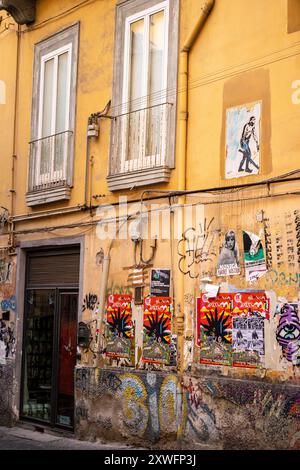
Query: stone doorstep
point(23, 432)
point(29, 435)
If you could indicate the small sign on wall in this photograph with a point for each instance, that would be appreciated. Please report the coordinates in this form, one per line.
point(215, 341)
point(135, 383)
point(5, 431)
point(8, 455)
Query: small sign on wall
point(160, 282)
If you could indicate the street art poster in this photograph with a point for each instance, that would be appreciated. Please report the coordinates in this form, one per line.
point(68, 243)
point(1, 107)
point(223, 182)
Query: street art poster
point(250, 309)
point(157, 330)
point(288, 332)
point(254, 257)
point(119, 326)
point(228, 261)
point(248, 345)
point(6, 270)
point(214, 329)
point(243, 140)
point(7, 340)
point(251, 303)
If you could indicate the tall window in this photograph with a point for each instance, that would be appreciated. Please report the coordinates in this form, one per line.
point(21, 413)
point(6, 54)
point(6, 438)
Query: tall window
point(144, 89)
point(145, 98)
point(53, 133)
point(53, 118)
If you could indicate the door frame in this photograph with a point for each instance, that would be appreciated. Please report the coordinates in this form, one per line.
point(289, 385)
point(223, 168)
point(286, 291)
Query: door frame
point(55, 362)
point(21, 263)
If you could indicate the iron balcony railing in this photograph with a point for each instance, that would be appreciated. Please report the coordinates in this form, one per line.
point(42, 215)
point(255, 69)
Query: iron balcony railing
point(49, 158)
point(140, 138)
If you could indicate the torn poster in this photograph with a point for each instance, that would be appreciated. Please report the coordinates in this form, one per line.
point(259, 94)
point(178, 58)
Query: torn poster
point(157, 330)
point(214, 329)
point(211, 290)
point(228, 262)
point(119, 326)
point(255, 262)
point(243, 140)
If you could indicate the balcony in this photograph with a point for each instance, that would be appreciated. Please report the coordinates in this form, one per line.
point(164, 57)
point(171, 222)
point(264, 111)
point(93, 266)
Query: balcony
point(49, 169)
point(140, 147)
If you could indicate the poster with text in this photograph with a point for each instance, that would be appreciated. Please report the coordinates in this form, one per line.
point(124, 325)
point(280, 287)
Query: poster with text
point(243, 140)
point(255, 261)
point(248, 347)
point(228, 261)
point(214, 329)
point(119, 326)
point(251, 303)
point(157, 330)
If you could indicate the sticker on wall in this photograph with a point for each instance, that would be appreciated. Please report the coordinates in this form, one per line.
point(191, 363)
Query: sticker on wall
point(157, 330)
point(243, 140)
point(119, 326)
point(228, 261)
point(214, 329)
point(255, 262)
point(288, 332)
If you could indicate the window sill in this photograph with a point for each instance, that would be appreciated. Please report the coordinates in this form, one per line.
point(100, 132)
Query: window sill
point(138, 178)
point(45, 196)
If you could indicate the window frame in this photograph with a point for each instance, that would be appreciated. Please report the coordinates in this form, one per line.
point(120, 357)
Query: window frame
point(45, 58)
point(118, 178)
point(52, 192)
point(143, 160)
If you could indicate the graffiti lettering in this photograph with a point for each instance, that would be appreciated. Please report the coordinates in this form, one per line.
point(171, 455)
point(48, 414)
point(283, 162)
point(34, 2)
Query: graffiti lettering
point(196, 248)
point(277, 278)
point(90, 302)
point(9, 304)
point(118, 289)
point(111, 381)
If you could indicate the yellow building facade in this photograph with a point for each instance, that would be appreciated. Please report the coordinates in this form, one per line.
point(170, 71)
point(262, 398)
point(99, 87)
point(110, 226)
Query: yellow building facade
point(150, 222)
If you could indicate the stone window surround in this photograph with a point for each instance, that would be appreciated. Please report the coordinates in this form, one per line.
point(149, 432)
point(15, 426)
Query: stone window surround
point(117, 180)
point(43, 47)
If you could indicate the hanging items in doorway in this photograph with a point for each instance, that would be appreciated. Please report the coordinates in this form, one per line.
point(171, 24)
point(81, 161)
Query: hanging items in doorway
point(157, 330)
point(119, 326)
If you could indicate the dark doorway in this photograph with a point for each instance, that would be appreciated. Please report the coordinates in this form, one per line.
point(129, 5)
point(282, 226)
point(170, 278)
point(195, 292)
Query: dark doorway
point(50, 337)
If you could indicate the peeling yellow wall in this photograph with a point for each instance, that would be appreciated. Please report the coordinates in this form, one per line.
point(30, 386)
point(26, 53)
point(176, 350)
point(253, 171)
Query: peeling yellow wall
point(243, 54)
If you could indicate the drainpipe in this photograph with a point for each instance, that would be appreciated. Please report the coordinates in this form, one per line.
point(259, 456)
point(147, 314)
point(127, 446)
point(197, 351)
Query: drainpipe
point(182, 152)
point(11, 241)
point(103, 285)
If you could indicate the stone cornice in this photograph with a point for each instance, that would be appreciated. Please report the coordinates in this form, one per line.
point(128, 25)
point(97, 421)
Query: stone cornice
point(23, 11)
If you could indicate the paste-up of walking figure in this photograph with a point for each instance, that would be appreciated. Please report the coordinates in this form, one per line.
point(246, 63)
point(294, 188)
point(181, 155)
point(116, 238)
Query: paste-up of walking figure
point(243, 140)
point(248, 133)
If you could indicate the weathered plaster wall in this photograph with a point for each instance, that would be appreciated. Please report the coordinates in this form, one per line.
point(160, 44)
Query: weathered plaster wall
point(168, 411)
point(7, 392)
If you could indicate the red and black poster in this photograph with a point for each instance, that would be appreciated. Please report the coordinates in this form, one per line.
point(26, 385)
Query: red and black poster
point(119, 326)
point(214, 329)
point(157, 330)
